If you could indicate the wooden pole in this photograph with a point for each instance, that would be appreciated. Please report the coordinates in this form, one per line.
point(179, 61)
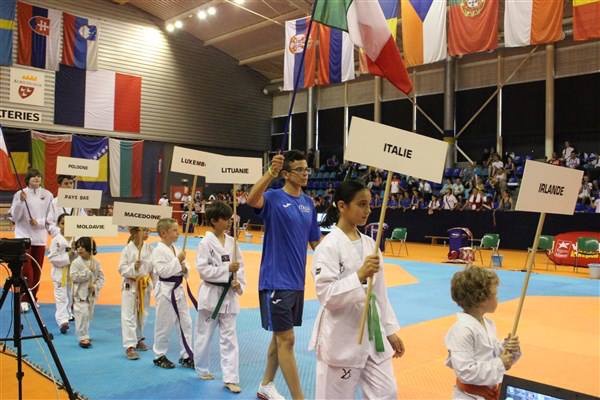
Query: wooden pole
point(530, 258)
point(141, 239)
point(386, 195)
point(189, 214)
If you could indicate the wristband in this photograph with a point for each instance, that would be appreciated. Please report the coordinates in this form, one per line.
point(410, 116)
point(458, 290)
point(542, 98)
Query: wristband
point(273, 174)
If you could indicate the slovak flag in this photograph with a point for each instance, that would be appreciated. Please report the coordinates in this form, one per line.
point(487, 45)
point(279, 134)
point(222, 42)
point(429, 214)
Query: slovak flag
point(295, 34)
point(39, 36)
point(80, 42)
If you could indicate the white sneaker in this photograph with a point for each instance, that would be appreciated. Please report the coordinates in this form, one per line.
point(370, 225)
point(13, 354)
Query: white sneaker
point(268, 392)
point(25, 307)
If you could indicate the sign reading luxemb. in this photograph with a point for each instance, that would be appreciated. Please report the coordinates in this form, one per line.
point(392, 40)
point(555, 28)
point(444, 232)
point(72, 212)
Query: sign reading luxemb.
point(142, 215)
point(77, 166)
point(79, 198)
point(549, 188)
point(396, 150)
point(240, 170)
point(89, 226)
point(191, 162)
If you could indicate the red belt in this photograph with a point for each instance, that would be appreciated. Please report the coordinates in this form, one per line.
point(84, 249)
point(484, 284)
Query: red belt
point(487, 392)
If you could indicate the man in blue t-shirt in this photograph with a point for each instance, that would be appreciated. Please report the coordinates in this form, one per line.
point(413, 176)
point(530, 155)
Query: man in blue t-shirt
point(291, 224)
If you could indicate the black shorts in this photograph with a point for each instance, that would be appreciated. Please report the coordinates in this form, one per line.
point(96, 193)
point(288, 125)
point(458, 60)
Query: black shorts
point(281, 310)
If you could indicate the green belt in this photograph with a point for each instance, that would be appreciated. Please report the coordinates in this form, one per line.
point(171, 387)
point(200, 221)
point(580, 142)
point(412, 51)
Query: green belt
point(374, 326)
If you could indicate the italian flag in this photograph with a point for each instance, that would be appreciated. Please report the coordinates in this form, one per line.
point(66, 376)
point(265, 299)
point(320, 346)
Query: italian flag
point(369, 30)
point(125, 159)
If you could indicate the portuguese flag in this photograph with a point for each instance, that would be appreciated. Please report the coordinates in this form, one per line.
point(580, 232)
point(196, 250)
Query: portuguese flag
point(125, 167)
point(45, 148)
point(473, 26)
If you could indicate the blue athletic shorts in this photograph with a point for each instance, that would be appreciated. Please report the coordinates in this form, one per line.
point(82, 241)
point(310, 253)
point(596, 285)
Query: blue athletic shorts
point(281, 310)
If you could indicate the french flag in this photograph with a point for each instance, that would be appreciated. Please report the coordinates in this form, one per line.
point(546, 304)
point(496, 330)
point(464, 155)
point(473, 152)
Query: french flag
point(39, 36)
point(295, 35)
point(80, 42)
point(336, 55)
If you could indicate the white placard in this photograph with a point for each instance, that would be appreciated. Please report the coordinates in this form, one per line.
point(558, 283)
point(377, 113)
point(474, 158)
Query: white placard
point(240, 170)
point(135, 214)
point(77, 166)
point(27, 86)
point(11, 114)
point(89, 226)
point(396, 150)
point(79, 198)
point(191, 162)
point(549, 188)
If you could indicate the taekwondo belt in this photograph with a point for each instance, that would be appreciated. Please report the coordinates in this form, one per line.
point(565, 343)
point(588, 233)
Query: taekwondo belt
point(177, 280)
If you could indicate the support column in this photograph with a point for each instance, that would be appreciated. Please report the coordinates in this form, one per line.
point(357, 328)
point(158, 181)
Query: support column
point(499, 78)
point(449, 133)
point(549, 137)
point(346, 115)
point(377, 100)
point(414, 103)
point(310, 119)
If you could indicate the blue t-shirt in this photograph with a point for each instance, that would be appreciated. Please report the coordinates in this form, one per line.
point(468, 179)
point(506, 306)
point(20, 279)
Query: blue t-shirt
point(290, 223)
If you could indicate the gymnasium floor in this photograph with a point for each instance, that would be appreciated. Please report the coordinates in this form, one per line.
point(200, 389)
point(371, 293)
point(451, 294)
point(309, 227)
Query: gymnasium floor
point(559, 331)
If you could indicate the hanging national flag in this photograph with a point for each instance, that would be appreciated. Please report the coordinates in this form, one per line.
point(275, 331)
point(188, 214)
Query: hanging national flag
point(7, 25)
point(39, 36)
point(295, 34)
point(424, 31)
point(18, 143)
point(368, 29)
point(80, 42)
point(45, 148)
point(473, 26)
point(336, 55)
point(586, 19)
point(126, 167)
point(92, 148)
point(102, 99)
point(7, 177)
point(531, 22)
point(390, 12)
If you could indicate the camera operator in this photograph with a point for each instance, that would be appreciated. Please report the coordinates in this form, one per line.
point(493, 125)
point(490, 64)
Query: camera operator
point(31, 211)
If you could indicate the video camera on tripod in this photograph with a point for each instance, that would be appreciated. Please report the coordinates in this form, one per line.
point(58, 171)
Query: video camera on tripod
point(12, 251)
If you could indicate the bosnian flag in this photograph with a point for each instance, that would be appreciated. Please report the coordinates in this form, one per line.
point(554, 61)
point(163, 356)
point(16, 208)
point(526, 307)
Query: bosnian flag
point(39, 36)
point(80, 42)
point(295, 35)
point(336, 55)
point(368, 29)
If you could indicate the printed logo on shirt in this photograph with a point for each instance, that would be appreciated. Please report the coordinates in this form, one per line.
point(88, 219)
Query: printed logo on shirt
point(225, 258)
point(318, 271)
point(346, 373)
point(342, 268)
point(276, 301)
point(304, 209)
point(212, 253)
point(286, 205)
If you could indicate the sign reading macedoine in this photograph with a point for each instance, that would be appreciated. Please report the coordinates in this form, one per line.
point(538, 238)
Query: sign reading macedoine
point(142, 215)
point(191, 162)
point(548, 188)
point(79, 198)
point(77, 166)
point(240, 170)
point(396, 150)
point(90, 226)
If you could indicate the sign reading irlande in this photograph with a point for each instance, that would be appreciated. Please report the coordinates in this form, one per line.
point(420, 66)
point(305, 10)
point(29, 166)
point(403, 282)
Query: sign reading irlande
point(77, 166)
point(549, 188)
point(142, 215)
point(191, 162)
point(89, 226)
point(240, 170)
point(397, 150)
point(79, 198)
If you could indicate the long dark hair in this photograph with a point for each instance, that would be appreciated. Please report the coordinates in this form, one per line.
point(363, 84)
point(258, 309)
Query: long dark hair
point(345, 192)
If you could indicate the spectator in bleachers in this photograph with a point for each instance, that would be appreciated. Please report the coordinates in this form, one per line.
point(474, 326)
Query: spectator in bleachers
point(554, 160)
point(457, 187)
point(449, 201)
point(447, 185)
point(509, 166)
point(573, 160)
point(468, 173)
point(475, 201)
point(597, 205)
point(376, 201)
point(395, 184)
point(567, 150)
point(405, 201)
point(425, 189)
point(498, 181)
point(495, 164)
point(415, 200)
point(393, 201)
point(434, 204)
point(585, 191)
point(591, 162)
point(332, 163)
point(506, 202)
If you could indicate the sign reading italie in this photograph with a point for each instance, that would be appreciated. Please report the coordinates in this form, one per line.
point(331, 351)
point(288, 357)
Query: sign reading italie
point(77, 166)
point(90, 226)
point(191, 162)
point(142, 215)
point(79, 198)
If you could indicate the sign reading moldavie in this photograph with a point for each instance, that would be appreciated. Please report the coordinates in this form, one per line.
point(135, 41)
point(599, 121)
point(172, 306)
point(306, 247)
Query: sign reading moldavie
point(549, 188)
point(396, 150)
point(240, 170)
point(142, 215)
point(189, 161)
point(77, 166)
point(89, 226)
point(79, 198)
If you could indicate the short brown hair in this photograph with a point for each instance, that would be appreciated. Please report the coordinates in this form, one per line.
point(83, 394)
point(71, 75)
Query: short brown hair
point(472, 286)
point(218, 210)
point(164, 224)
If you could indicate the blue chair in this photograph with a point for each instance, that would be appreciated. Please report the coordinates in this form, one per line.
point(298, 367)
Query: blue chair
point(518, 160)
point(456, 172)
point(448, 172)
point(520, 170)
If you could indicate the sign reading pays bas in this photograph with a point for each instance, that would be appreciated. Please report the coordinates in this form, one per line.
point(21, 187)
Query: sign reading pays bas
point(77, 166)
point(142, 215)
point(79, 198)
point(89, 226)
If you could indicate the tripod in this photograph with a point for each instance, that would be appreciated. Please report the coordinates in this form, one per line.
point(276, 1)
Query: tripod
point(19, 286)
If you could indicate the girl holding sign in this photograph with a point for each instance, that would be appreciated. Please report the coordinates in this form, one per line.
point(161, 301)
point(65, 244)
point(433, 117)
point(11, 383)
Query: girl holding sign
point(342, 263)
point(135, 266)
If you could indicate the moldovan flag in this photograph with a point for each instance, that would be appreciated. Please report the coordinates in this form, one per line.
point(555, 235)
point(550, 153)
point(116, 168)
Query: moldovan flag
point(39, 36)
point(7, 24)
point(586, 19)
point(473, 26)
point(336, 55)
point(125, 167)
point(295, 34)
point(7, 177)
point(423, 31)
point(531, 22)
point(92, 148)
point(368, 29)
point(101, 99)
point(80, 42)
point(45, 149)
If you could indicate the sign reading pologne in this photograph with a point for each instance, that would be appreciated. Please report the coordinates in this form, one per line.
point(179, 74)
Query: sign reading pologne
point(77, 166)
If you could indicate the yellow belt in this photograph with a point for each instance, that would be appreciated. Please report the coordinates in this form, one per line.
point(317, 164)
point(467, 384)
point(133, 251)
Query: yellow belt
point(65, 276)
point(142, 284)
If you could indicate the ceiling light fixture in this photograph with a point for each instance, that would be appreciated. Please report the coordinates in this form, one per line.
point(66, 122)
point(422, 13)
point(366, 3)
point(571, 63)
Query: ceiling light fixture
point(170, 28)
point(211, 11)
point(201, 14)
point(239, 1)
point(178, 24)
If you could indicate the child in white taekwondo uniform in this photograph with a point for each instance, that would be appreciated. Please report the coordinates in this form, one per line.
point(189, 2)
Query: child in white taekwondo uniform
point(65, 182)
point(218, 303)
point(60, 256)
point(88, 278)
point(135, 266)
point(478, 359)
point(341, 265)
point(171, 306)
